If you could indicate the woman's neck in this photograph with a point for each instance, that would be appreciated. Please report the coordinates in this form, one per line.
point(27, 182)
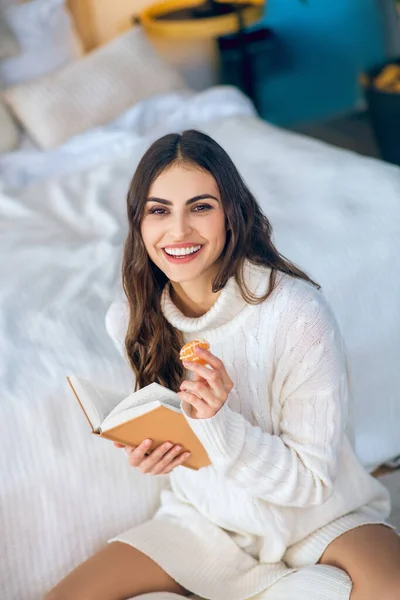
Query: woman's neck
point(193, 299)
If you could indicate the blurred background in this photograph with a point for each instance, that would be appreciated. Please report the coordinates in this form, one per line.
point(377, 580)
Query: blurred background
point(301, 61)
point(311, 52)
point(304, 95)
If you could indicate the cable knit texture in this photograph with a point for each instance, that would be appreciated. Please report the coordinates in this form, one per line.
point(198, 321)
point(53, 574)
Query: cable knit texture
point(284, 480)
point(317, 582)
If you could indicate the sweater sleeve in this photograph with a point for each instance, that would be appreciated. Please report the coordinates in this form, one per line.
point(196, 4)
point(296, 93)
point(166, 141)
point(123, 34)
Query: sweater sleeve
point(116, 322)
point(298, 466)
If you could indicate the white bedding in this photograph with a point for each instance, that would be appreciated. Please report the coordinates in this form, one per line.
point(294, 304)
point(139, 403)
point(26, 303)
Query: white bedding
point(132, 132)
point(63, 492)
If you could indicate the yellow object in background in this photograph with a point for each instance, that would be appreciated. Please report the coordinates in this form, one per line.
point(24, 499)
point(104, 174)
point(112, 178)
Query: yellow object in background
point(388, 79)
point(151, 18)
point(100, 21)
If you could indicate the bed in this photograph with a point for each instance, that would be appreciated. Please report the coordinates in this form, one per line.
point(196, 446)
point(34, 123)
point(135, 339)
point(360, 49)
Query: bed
point(63, 492)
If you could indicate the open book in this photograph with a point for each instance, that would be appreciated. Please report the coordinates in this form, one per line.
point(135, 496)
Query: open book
point(150, 413)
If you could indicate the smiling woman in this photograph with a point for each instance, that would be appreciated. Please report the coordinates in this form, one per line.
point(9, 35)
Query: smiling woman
point(269, 405)
point(187, 192)
point(187, 228)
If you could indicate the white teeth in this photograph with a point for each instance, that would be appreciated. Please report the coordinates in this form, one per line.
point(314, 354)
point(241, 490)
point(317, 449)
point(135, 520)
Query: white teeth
point(182, 251)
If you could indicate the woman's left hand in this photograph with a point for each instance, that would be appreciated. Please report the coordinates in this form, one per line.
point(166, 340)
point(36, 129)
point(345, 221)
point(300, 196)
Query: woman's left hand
point(210, 389)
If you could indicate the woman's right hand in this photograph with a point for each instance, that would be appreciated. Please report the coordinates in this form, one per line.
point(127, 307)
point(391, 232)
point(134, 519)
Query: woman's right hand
point(161, 461)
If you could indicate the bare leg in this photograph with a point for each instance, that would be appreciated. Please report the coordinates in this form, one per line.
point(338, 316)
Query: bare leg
point(370, 554)
point(117, 572)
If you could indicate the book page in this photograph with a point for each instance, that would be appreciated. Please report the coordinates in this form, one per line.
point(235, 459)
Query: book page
point(149, 394)
point(97, 402)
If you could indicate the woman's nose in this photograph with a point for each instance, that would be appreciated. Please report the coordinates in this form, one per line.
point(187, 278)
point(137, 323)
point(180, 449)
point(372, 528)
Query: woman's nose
point(180, 227)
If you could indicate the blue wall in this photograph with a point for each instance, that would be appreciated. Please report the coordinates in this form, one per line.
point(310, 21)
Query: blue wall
point(324, 45)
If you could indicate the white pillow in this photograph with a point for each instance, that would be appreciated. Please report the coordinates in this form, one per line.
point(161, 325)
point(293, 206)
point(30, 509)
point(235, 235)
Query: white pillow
point(46, 37)
point(93, 90)
point(9, 135)
point(8, 42)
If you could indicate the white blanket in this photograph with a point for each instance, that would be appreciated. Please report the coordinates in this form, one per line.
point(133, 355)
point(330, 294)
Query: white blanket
point(131, 133)
point(62, 491)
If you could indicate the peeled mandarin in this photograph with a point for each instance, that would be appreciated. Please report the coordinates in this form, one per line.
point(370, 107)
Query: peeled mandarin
point(187, 352)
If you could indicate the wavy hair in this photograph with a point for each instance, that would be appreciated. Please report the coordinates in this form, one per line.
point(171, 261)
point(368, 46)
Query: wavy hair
point(152, 343)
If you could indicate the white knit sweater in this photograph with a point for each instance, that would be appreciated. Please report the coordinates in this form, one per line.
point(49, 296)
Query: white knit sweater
point(282, 466)
point(284, 480)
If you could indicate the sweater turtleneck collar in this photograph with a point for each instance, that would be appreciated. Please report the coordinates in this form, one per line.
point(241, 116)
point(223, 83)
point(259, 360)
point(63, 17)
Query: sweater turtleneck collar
point(227, 306)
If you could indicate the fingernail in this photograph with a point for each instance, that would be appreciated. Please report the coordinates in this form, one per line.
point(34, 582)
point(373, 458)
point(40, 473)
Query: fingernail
point(168, 445)
point(186, 454)
point(147, 442)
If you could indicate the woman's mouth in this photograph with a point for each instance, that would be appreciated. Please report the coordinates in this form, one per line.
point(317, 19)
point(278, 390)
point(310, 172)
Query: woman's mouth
point(182, 255)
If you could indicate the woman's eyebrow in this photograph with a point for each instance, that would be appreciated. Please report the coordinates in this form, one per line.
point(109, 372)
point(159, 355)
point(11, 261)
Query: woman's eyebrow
point(190, 201)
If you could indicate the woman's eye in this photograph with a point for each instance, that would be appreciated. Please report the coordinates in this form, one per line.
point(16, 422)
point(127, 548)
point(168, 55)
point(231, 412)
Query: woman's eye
point(162, 211)
point(157, 211)
point(202, 207)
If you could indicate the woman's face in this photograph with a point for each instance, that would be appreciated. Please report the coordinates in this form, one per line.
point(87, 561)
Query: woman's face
point(183, 226)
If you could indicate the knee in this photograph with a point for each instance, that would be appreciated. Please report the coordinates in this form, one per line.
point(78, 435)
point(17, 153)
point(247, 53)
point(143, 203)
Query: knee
point(390, 590)
point(54, 594)
point(60, 593)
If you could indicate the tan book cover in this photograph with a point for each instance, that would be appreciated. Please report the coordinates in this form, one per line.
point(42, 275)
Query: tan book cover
point(150, 413)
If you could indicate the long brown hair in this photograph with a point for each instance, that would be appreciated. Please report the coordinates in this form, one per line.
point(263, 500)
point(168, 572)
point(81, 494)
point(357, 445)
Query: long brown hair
point(152, 343)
